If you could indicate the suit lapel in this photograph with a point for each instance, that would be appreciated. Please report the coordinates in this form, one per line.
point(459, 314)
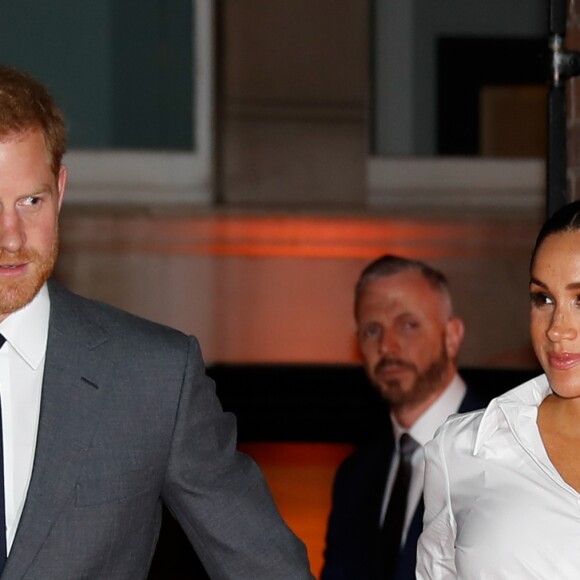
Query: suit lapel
point(383, 463)
point(471, 402)
point(72, 398)
point(408, 557)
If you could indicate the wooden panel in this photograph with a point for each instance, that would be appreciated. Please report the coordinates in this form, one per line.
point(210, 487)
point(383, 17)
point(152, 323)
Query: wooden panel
point(513, 121)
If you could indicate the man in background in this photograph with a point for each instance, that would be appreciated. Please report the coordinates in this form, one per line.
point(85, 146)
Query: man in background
point(105, 416)
point(409, 339)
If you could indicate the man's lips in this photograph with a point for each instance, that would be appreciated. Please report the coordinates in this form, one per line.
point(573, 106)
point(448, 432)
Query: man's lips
point(392, 368)
point(12, 269)
point(564, 360)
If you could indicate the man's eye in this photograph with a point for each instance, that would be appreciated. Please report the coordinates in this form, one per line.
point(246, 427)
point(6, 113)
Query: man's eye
point(408, 325)
point(370, 331)
point(30, 201)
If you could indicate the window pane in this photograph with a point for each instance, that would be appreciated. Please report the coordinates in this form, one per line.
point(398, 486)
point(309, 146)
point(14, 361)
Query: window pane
point(120, 69)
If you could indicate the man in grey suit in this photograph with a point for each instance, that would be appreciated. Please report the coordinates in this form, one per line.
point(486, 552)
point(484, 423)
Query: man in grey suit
point(106, 415)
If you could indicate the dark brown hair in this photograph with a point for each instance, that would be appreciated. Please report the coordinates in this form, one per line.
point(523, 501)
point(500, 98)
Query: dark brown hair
point(566, 219)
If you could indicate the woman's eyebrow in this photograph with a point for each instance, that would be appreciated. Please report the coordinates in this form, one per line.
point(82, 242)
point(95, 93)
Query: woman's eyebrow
point(537, 282)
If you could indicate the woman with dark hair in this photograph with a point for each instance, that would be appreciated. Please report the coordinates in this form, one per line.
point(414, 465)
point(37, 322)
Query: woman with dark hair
point(502, 485)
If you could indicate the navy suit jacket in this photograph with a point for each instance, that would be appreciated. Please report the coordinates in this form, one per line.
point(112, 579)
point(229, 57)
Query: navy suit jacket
point(353, 529)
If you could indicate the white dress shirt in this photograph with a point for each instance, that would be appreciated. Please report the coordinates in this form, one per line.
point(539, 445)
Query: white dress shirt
point(422, 431)
point(21, 371)
point(495, 506)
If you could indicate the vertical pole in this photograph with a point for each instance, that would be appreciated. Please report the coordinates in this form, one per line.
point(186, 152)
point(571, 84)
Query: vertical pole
point(558, 13)
point(557, 162)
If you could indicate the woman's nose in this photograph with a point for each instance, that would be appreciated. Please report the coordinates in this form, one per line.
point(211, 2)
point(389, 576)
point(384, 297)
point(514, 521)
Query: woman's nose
point(562, 327)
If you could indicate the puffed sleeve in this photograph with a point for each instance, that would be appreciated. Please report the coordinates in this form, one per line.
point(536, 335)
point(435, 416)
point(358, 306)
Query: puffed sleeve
point(436, 547)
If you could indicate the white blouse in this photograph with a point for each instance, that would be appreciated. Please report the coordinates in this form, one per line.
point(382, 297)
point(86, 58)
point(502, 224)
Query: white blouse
point(495, 506)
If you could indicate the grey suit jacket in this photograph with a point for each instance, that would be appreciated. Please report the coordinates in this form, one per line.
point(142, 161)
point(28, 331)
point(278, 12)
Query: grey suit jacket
point(128, 419)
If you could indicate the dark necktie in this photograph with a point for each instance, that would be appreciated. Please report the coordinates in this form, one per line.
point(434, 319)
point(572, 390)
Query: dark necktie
point(2, 505)
point(392, 530)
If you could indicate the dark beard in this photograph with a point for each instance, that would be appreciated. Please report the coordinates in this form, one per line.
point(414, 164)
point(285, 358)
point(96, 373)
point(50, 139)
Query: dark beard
point(425, 383)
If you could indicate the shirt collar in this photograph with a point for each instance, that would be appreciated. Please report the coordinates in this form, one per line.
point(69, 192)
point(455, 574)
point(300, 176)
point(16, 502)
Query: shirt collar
point(448, 403)
point(519, 404)
point(26, 330)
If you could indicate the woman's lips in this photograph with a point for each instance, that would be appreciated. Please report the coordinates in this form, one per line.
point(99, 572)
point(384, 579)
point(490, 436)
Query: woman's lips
point(563, 361)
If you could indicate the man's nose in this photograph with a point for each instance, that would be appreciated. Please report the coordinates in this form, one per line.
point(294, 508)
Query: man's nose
point(12, 236)
point(389, 343)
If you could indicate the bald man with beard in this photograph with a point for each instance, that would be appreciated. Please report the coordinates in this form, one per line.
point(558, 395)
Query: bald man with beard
point(409, 339)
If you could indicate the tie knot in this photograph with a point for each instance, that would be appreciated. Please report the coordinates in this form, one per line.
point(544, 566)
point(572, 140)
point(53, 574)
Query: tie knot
point(407, 446)
point(2, 340)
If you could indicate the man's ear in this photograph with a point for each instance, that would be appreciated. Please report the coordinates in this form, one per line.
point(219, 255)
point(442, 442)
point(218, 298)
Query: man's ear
point(454, 336)
point(61, 183)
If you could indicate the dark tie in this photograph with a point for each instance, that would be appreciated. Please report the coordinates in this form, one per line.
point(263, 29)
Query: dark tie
point(2, 505)
point(392, 529)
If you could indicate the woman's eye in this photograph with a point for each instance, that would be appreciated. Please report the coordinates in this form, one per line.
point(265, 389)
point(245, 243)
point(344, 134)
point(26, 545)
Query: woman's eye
point(539, 299)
